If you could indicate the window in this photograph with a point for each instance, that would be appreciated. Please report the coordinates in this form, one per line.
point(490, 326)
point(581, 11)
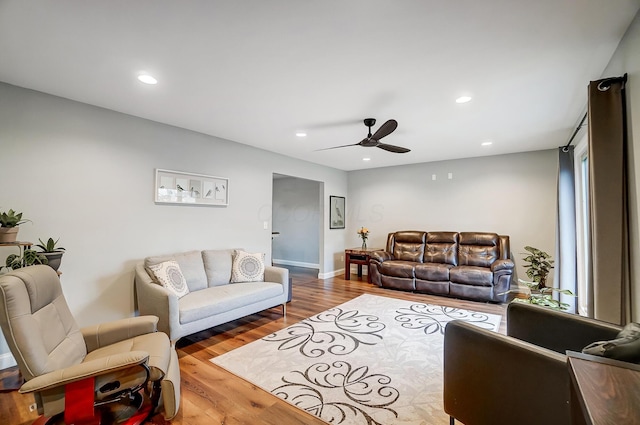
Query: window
point(584, 288)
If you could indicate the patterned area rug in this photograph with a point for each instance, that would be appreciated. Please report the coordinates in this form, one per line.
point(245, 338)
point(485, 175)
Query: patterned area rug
point(372, 360)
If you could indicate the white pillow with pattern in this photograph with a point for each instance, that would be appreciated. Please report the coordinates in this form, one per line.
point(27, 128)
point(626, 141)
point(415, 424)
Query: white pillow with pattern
point(169, 275)
point(247, 267)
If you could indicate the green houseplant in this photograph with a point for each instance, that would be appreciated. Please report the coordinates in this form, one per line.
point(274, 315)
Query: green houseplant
point(539, 264)
point(52, 251)
point(28, 258)
point(9, 222)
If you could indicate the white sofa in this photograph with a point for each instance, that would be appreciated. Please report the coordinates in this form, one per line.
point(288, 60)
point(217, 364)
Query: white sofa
point(212, 300)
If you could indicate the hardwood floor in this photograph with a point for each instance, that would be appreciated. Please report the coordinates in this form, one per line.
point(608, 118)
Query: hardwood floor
point(211, 395)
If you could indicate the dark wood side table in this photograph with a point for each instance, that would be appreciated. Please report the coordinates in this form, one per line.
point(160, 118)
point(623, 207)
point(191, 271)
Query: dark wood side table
point(357, 256)
point(603, 391)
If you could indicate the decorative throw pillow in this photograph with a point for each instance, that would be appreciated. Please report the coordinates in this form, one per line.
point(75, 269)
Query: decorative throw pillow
point(625, 347)
point(169, 275)
point(247, 267)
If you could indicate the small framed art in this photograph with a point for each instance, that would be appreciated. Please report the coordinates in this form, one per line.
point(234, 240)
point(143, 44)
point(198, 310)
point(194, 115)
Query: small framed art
point(337, 211)
point(177, 187)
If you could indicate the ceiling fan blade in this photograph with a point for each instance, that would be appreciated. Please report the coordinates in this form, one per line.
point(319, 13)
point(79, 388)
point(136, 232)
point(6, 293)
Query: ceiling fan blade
point(385, 129)
point(392, 148)
point(336, 147)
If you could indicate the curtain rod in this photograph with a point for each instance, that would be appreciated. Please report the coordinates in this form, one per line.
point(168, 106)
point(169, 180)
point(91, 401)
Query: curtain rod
point(602, 86)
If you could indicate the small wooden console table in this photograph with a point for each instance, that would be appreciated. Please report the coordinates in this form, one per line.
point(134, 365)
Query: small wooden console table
point(357, 256)
point(603, 391)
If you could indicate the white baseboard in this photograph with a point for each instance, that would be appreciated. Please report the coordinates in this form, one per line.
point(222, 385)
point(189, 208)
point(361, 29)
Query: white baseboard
point(296, 264)
point(7, 361)
point(330, 274)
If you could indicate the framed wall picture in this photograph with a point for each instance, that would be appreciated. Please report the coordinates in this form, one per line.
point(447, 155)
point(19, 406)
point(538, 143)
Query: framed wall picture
point(337, 216)
point(177, 187)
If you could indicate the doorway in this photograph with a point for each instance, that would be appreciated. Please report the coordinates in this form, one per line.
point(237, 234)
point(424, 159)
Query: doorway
point(296, 216)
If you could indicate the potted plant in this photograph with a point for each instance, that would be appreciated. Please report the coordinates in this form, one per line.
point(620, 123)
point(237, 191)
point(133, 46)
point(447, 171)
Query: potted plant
point(538, 268)
point(28, 258)
point(9, 222)
point(51, 251)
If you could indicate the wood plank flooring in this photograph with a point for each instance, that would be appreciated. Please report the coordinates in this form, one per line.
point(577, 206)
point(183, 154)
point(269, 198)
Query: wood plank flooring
point(211, 395)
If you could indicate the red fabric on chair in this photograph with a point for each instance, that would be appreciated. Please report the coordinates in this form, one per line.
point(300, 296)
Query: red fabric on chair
point(78, 403)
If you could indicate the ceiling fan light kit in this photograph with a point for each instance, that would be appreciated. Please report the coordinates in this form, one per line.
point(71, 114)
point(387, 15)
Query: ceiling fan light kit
point(373, 140)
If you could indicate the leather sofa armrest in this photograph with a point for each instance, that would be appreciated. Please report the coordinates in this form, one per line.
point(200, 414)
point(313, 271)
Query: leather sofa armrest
point(380, 256)
point(101, 366)
point(500, 265)
point(556, 330)
point(154, 300)
point(108, 333)
point(490, 378)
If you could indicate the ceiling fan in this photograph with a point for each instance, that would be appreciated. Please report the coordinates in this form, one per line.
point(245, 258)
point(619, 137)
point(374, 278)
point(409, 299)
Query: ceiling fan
point(372, 141)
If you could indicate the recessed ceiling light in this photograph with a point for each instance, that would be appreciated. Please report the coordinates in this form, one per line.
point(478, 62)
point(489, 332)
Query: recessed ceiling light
point(463, 99)
point(301, 134)
point(366, 159)
point(147, 79)
point(486, 143)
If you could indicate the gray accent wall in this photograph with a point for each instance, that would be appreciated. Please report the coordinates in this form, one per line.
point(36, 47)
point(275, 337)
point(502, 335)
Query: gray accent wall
point(513, 195)
point(296, 215)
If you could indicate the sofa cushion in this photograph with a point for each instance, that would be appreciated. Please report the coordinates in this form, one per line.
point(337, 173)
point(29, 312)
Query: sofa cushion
point(471, 275)
point(408, 251)
point(408, 245)
point(199, 305)
point(397, 268)
point(168, 275)
point(441, 247)
point(247, 267)
point(433, 271)
point(478, 249)
point(217, 266)
point(190, 264)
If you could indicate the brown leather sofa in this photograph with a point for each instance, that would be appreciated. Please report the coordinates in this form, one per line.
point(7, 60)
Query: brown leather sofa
point(471, 265)
point(519, 378)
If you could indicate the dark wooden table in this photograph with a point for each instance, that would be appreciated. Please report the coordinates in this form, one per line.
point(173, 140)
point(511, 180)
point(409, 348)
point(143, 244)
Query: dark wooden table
point(603, 391)
point(357, 256)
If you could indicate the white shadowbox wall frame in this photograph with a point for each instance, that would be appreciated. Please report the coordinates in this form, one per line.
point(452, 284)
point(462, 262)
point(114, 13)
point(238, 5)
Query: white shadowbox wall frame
point(181, 188)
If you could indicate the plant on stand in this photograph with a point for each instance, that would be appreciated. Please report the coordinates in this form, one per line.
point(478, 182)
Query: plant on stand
point(538, 268)
point(52, 252)
point(9, 222)
point(364, 234)
point(28, 258)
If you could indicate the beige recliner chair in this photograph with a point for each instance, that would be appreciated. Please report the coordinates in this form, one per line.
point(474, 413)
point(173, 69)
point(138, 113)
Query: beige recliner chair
point(123, 358)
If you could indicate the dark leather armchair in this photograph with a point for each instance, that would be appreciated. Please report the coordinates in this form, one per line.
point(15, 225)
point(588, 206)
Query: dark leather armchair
point(519, 378)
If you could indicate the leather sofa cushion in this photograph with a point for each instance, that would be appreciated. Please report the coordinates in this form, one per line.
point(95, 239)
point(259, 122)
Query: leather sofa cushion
point(403, 284)
point(397, 268)
point(441, 247)
point(471, 275)
point(478, 249)
point(410, 236)
point(408, 245)
point(433, 271)
point(408, 251)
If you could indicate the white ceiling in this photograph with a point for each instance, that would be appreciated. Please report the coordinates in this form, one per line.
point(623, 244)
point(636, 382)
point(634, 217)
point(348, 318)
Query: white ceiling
point(255, 72)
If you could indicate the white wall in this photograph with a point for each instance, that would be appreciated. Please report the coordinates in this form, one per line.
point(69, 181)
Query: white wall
point(626, 59)
point(513, 195)
point(86, 175)
point(296, 210)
